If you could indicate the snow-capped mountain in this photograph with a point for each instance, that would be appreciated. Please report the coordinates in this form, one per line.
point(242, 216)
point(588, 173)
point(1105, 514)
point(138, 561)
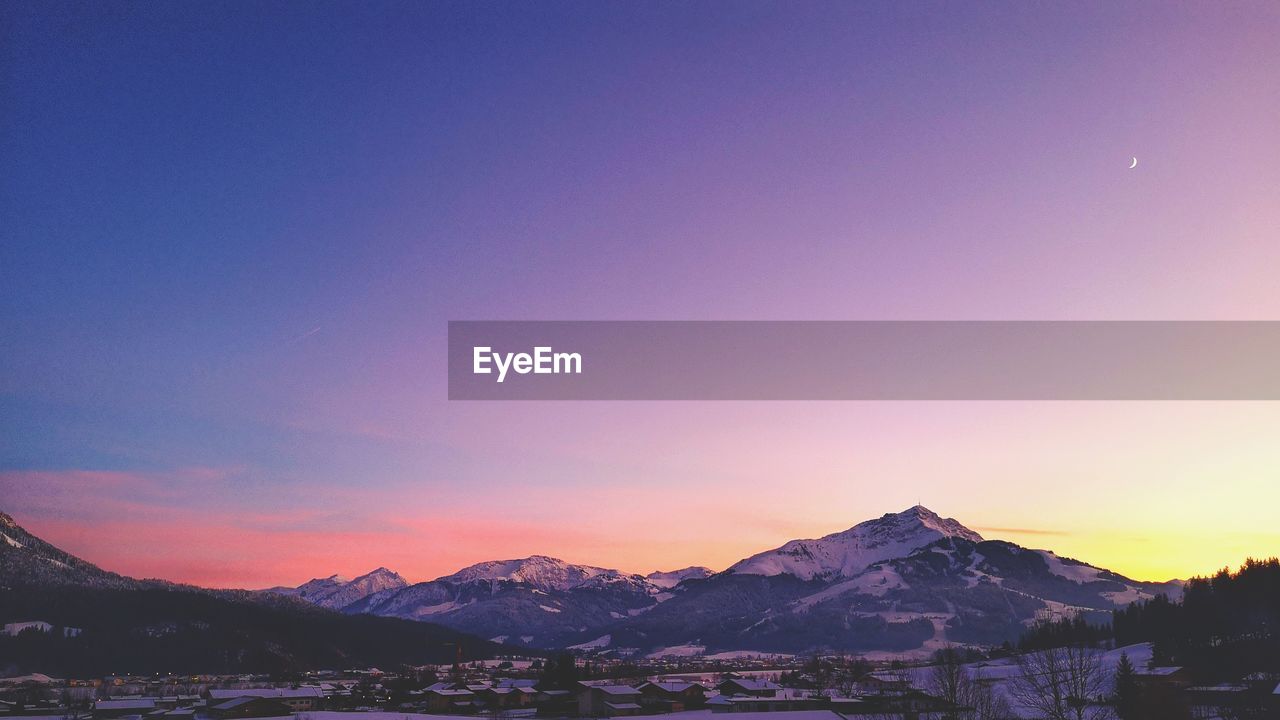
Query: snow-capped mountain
point(844, 554)
point(336, 592)
point(904, 583)
point(537, 600)
point(537, 571)
point(154, 626)
point(673, 578)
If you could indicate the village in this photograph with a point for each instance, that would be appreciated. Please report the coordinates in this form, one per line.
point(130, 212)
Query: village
point(772, 687)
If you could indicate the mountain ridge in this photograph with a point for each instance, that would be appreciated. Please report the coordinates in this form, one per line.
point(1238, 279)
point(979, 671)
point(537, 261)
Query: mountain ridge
point(902, 582)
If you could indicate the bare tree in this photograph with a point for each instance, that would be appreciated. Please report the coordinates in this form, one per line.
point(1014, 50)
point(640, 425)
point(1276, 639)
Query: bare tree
point(952, 682)
point(1065, 683)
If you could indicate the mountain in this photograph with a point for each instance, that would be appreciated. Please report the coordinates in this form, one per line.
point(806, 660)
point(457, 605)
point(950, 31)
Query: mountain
point(25, 556)
point(903, 583)
point(336, 592)
point(908, 582)
point(673, 578)
point(844, 554)
point(539, 600)
point(152, 626)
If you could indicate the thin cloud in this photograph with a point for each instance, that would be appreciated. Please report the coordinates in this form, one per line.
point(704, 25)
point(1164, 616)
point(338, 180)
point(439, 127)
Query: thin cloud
point(1022, 531)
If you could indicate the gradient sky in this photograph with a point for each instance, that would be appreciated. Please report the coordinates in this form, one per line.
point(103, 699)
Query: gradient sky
point(232, 235)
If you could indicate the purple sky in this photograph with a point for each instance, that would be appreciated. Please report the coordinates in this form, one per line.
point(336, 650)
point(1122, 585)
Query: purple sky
point(234, 235)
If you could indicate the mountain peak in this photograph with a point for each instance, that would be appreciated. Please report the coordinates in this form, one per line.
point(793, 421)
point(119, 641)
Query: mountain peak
point(540, 571)
point(921, 516)
point(846, 553)
point(671, 578)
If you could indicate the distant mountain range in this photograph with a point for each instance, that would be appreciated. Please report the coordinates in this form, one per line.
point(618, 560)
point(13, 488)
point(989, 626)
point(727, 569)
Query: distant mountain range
point(149, 626)
point(904, 582)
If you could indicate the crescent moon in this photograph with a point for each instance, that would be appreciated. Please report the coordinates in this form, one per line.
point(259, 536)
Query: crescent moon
point(1133, 164)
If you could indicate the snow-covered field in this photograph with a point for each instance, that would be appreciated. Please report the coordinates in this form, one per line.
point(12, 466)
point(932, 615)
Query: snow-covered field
point(1000, 674)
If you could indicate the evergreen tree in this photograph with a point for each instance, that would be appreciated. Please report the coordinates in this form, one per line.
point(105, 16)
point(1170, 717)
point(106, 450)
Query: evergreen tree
point(1126, 689)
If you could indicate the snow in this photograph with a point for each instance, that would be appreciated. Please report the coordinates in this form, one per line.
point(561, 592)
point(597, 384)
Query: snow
point(602, 641)
point(1076, 572)
point(337, 715)
point(539, 571)
point(668, 580)
point(778, 715)
point(10, 541)
point(875, 581)
point(549, 609)
point(747, 654)
point(999, 674)
point(526, 639)
point(444, 607)
point(678, 651)
point(1126, 596)
point(499, 638)
point(844, 554)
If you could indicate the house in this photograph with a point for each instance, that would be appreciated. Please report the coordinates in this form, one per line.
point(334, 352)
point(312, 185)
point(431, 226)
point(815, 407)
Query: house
point(1162, 677)
point(746, 686)
point(505, 698)
point(249, 707)
point(672, 696)
point(301, 699)
point(608, 701)
point(783, 700)
point(123, 708)
point(444, 700)
point(557, 703)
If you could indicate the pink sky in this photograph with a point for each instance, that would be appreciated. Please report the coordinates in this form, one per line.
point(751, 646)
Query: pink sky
point(225, 302)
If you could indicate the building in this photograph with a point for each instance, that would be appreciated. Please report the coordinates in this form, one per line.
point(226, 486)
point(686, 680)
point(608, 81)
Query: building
point(123, 708)
point(556, 703)
point(672, 696)
point(301, 699)
point(608, 701)
point(249, 707)
point(746, 686)
point(446, 700)
point(782, 700)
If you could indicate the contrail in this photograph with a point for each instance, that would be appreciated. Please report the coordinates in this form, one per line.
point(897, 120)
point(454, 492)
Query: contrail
point(306, 334)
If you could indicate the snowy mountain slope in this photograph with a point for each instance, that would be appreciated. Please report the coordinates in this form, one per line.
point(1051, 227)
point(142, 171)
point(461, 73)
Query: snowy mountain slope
point(537, 571)
point(949, 585)
point(155, 626)
point(336, 593)
point(27, 560)
point(544, 599)
point(675, 577)
point(844, 554)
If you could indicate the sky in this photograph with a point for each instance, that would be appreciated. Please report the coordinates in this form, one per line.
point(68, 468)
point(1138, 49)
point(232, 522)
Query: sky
point(231, 237)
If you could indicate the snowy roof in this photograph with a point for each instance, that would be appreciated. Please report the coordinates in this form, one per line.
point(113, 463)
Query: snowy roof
point(748, 684)
point(235, 703)
point(672, 685)
point(132, 704)
point(623, 706)
point(1161, 671)
point(302, 692)
point(617, 690)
